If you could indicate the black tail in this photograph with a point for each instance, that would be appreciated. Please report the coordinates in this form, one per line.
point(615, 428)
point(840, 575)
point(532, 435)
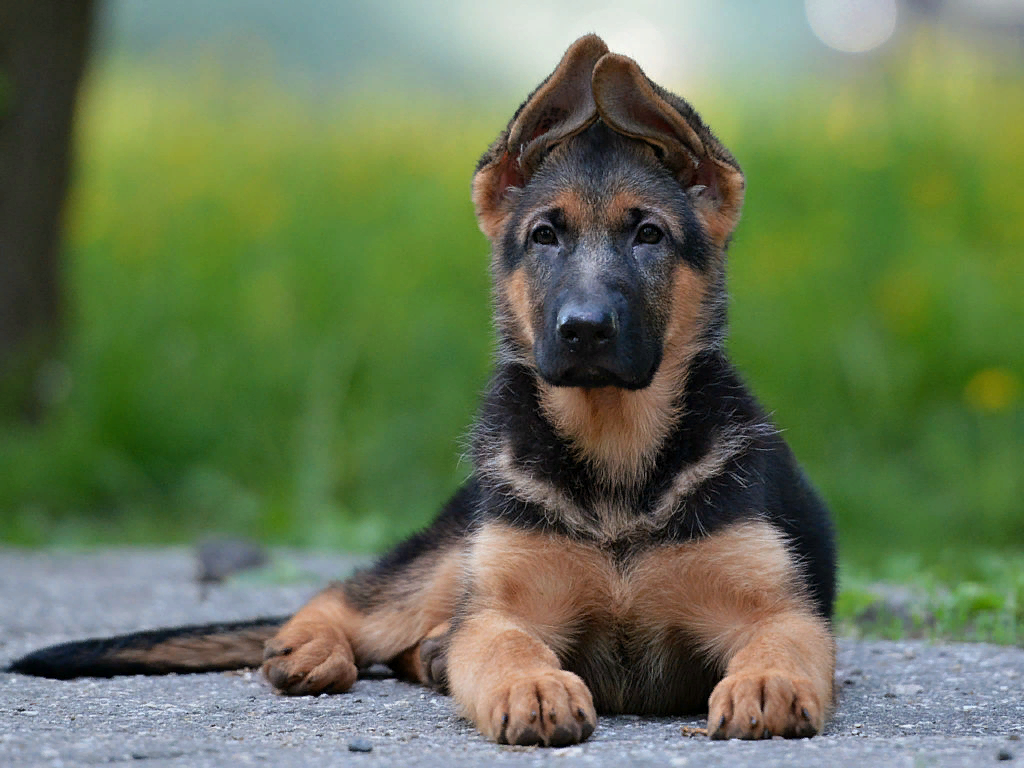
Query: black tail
point(194, 648)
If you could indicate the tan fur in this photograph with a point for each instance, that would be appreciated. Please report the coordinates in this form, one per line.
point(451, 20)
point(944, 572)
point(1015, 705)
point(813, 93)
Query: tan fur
point(321, 646)
point(579, 214)
point(778, 682)
point(620, 431)
point(516, 291)
point(721, 213)
point(618, 208)
point(491, 210)
point(232, 650)
point(428, 597)
point(735, 595)
point(509, 684)
point(546, 581)
point(413, 663)
point(503, 665)
point(312, 652)
point(744, 607)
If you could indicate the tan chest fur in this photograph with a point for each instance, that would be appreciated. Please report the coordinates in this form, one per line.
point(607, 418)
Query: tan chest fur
point(649, 634)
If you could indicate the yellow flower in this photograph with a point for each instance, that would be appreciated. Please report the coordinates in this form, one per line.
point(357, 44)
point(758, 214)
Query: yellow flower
point(992, 389)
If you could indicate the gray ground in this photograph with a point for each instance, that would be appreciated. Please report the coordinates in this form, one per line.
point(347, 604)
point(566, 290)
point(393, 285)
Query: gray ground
point(902, 704)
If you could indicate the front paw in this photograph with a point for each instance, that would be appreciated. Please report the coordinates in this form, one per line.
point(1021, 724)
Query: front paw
point(762, 705)
point(551, 708)
point(309, 657)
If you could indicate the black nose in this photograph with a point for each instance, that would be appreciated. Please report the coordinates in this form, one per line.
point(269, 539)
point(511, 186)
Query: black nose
point(587, 328)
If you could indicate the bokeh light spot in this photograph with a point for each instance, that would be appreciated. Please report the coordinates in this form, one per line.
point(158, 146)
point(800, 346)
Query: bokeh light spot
point(852, 26)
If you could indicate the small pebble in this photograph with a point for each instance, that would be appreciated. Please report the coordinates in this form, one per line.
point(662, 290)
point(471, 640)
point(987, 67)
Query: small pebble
point(910, 689)
point(1004, 755)
point(360, 745)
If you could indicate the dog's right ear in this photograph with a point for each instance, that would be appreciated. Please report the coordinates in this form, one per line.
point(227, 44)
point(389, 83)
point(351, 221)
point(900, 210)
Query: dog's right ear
point(562, 106)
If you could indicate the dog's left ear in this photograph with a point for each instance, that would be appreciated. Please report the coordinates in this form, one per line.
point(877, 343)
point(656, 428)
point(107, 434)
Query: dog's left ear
point(562, 106)
point(634, 106)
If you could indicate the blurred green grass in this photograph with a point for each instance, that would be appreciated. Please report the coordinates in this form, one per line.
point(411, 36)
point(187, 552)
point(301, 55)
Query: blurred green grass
point(962, 594)
point(280, 316)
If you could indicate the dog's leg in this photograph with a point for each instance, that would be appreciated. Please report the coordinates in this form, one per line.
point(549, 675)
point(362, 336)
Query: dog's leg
point(529, 594)
point(743, 602)
point(510, 684)
point(312, 653)
point(778, 679)
point(380, 615)
point(321, 647)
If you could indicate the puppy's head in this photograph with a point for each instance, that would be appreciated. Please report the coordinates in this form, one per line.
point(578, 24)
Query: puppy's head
point(609, 205)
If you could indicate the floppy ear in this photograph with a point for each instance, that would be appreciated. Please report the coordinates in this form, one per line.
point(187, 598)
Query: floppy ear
point(561, 107)
point(634, 106)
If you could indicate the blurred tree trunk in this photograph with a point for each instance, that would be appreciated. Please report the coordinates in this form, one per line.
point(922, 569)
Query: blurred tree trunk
point(43, 48)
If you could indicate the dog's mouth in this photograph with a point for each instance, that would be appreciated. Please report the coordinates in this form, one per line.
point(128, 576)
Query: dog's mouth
point(593, 376)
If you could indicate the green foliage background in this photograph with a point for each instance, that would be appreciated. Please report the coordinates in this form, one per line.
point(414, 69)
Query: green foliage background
point(281, 323)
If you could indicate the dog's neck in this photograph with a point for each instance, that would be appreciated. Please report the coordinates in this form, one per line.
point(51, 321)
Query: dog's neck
point(618, 432)
point(605, 440)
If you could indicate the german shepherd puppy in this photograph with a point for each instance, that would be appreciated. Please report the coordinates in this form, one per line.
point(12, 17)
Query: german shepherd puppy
point(635, 536)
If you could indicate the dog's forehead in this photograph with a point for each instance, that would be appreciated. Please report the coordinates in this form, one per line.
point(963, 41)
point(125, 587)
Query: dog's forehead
point(600, 177)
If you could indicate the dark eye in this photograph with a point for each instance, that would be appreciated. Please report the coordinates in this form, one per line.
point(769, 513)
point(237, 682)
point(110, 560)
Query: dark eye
point(648, 234)
point(544, 235)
